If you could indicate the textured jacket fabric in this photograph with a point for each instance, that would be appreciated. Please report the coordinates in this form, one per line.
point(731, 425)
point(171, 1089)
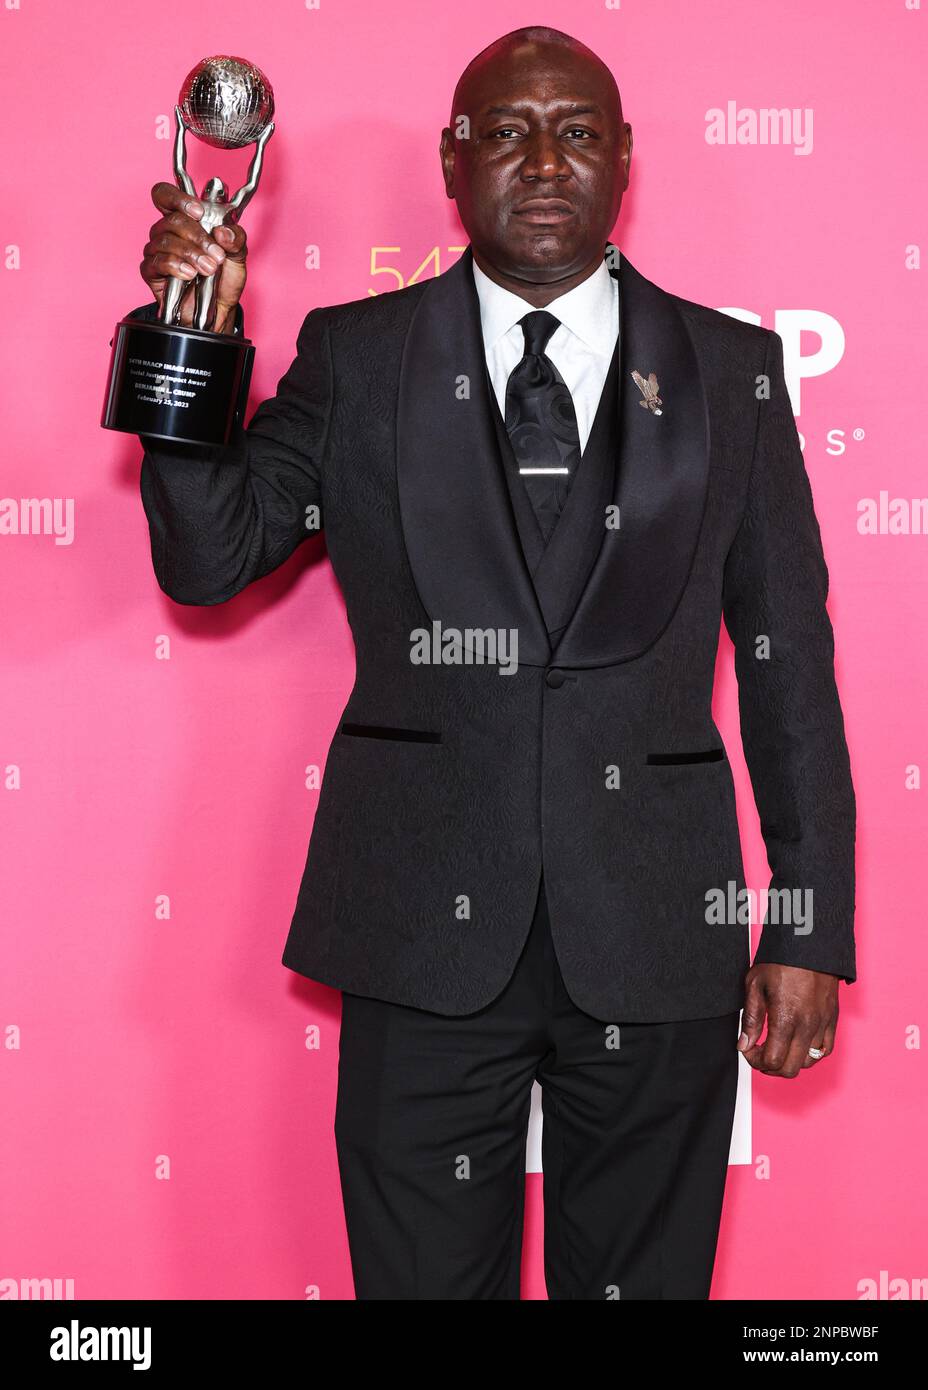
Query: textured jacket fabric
point(449, 788)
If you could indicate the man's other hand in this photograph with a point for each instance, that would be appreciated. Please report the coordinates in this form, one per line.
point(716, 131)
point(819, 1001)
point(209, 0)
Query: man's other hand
point(801, 1009)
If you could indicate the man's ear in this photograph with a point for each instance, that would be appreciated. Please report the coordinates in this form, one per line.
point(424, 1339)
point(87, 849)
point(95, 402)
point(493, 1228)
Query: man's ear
point(447, 160)
point(628, 157)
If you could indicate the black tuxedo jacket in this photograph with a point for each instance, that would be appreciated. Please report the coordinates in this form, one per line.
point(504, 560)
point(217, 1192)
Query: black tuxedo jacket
point(449, 788)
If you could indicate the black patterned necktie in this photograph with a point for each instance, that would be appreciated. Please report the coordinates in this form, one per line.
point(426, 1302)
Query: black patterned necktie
point(541, 423)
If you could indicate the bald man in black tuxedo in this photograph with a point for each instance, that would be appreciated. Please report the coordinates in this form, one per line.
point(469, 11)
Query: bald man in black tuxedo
point(544, 482)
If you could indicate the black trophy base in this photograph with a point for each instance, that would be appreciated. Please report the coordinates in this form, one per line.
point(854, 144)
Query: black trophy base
point(176, 383)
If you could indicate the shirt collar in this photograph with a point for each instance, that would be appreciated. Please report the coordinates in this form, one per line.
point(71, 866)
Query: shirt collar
point(587, 310)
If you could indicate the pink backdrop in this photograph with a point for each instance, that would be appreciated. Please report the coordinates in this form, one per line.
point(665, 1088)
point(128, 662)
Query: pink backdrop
point(167, 1120)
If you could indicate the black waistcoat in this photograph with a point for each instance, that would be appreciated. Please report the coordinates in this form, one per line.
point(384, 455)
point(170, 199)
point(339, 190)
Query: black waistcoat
point(560, 569)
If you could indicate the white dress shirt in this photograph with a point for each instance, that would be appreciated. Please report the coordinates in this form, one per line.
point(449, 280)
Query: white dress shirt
point(581, 348)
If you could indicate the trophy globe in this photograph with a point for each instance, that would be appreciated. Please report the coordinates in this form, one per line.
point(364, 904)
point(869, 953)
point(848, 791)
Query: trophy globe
point(227, 102)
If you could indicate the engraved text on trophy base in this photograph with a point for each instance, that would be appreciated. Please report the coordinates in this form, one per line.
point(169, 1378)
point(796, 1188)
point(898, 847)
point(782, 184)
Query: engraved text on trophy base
point(166, 383)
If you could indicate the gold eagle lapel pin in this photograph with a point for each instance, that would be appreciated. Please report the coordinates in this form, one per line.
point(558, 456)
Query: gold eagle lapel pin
point(648, 388)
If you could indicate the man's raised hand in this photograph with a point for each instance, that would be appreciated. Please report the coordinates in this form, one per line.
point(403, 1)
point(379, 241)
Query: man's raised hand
point(178, 246)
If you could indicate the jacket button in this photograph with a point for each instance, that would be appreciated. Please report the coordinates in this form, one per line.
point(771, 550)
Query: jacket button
point(555, 679)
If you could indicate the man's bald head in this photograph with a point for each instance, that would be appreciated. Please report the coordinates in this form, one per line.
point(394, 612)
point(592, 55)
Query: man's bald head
point(523, 45)
point(536, 156)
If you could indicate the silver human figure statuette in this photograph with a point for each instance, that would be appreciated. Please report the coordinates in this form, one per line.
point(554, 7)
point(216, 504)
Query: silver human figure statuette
point(218, 210)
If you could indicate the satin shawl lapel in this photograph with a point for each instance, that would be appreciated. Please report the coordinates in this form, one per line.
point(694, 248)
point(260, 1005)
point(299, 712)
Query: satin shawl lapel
point(460, 533)
point(661, 484)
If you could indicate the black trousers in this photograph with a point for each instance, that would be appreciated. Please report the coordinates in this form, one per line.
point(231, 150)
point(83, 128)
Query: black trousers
point(431, 1122)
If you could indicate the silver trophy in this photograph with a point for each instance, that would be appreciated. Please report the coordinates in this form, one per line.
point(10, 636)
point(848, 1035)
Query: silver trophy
point(168, 380)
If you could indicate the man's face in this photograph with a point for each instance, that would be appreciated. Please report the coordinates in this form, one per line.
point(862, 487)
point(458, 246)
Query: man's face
point(539, 181)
